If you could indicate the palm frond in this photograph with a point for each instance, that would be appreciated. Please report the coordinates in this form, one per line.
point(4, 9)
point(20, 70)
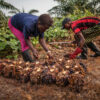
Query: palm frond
point(3, 19)
point(13, 12)
point(33, 11)
point(5, 5)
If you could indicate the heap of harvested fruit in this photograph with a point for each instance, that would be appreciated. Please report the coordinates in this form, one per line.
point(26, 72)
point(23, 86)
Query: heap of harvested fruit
point(59, 71)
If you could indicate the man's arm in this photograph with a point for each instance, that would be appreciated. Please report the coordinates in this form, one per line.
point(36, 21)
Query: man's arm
point(82, 40)
point(43, 44)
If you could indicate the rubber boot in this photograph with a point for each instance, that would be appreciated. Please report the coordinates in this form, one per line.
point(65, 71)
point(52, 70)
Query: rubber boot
point(26, 56)
point(93, 47)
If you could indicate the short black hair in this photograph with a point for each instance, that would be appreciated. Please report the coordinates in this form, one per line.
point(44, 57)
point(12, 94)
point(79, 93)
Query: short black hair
point(45, 19)
point(66, 20)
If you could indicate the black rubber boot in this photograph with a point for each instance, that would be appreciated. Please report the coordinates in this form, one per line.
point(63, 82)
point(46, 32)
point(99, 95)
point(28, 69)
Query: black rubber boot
point(81, 57)
point(84, 53)
point(95, 55)
point(93, 47)
point(27, 56)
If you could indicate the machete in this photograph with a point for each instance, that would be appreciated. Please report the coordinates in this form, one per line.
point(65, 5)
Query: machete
point(69, 42)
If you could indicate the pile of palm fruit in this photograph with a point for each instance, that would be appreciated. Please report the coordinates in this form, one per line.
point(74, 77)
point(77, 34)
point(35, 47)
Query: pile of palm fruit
point(60, 72)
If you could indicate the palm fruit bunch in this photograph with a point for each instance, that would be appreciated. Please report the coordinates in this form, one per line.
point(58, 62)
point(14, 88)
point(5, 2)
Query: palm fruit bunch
point(62, 78)
point(15, 69)
point(91, 33)
point(44, 73)
point(70, 72)
point(49, 75)
point(2, 65)
point(8, 69)
point(35, 76)
point(58, 71)
point(22, 71)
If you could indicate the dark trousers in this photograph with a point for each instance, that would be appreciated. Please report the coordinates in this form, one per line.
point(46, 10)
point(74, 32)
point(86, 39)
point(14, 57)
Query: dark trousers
point(90, 45)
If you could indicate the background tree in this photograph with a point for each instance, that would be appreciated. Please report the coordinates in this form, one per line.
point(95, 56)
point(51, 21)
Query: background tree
point(5, 5)
point(32, 11)
point(3, 18)
point(94, 6)
point(65, 7)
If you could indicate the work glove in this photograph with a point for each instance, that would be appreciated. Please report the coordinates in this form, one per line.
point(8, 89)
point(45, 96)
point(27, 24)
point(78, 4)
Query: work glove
point(75, 53)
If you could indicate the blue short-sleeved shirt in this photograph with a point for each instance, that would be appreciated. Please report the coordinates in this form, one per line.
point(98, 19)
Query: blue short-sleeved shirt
point(27, 24)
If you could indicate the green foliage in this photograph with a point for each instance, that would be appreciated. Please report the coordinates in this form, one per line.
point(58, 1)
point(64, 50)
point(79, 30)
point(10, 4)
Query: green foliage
point(65, 7)
point(9, 45)
point(32, 11)
point(77, 14)
point(55, 32)
point(6, 5)
point(35, 40)
point(3, 20)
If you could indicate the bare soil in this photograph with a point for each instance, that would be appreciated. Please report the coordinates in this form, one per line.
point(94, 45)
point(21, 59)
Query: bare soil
point(11, 89)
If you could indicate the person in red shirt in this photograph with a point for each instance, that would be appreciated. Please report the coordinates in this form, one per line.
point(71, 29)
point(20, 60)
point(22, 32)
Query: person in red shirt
point(77, 26)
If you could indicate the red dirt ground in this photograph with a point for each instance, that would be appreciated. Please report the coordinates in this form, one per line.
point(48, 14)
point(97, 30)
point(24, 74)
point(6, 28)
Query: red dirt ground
point(11, 89)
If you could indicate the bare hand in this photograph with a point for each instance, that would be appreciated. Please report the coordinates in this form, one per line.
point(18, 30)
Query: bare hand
point(49, 54)
point(35, 53)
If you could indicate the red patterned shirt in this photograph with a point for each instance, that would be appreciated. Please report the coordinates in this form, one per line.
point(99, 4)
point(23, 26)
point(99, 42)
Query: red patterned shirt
point(84, 23)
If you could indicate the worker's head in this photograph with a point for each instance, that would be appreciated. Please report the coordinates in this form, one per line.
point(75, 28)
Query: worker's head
point(44, 22)
point(66, 23)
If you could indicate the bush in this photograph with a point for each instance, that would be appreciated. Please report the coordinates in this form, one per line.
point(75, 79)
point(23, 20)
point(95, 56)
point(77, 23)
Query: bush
point(9, 45)
point(79, 14)
point(55, 32)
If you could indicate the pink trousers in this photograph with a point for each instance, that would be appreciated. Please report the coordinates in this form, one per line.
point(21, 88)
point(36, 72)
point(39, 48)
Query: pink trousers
point(19, 35)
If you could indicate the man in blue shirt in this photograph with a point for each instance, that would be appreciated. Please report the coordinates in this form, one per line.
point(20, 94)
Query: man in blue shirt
point(24, 26)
